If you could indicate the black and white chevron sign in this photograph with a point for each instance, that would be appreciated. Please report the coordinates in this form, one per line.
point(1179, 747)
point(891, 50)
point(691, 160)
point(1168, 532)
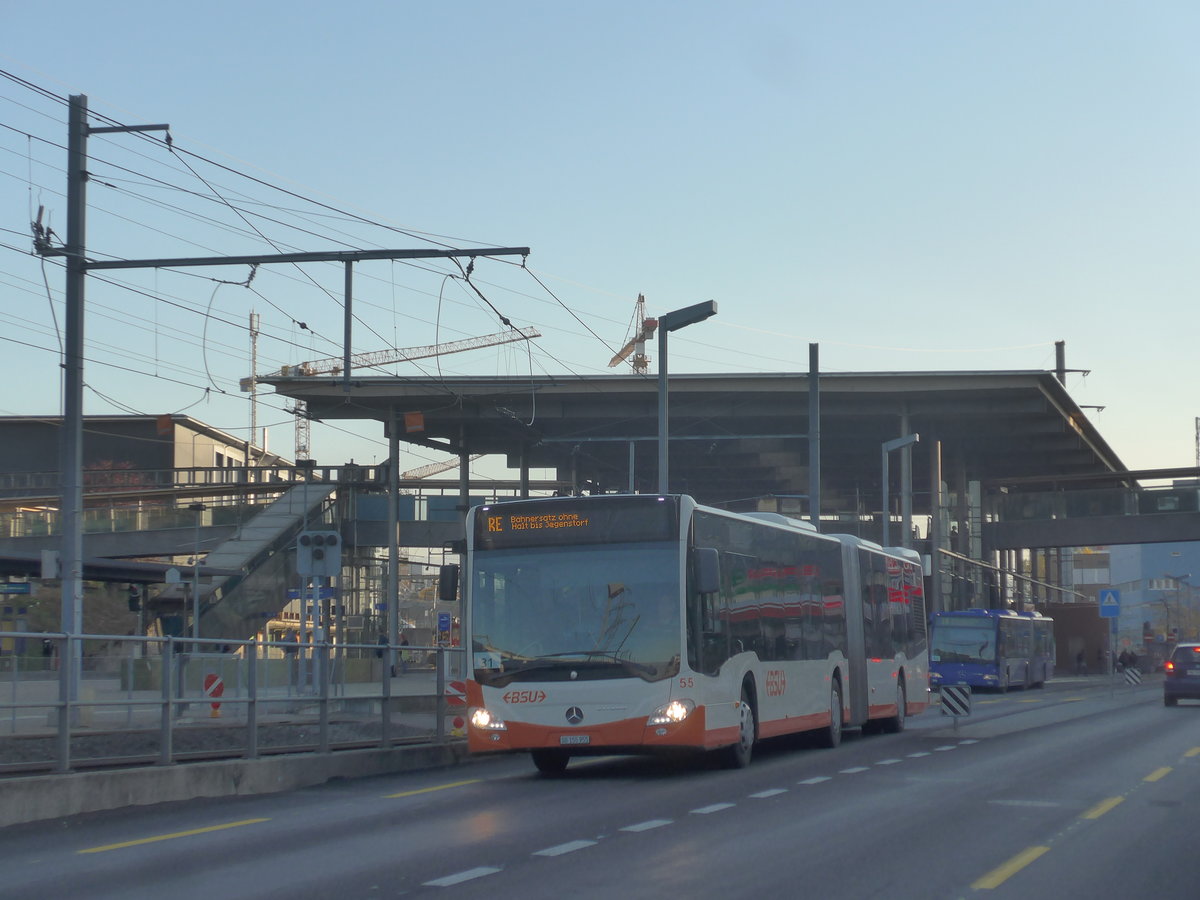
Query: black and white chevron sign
point(956, 699)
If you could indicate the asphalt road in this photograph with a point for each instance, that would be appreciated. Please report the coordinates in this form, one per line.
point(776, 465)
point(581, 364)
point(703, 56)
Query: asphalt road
point(1078, 791)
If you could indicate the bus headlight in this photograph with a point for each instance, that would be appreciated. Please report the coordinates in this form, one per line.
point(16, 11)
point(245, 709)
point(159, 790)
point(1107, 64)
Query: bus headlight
point(671, 713)
point(484, 720)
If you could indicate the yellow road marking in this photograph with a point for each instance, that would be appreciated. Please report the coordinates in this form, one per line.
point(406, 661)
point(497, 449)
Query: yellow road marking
point(1001, 874)
point(1102, 807)
point(439, 787)
point(1157, 774)
point(1195, 751)
point(170, 837)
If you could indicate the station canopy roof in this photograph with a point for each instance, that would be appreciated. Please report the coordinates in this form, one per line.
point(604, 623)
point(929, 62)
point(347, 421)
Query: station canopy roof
point(734, 437)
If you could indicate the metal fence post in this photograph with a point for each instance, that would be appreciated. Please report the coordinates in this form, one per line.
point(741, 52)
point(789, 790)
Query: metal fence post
point(66, 661)
point(251, 653)
point(385, 700)
point(322, 652)
point(167, 713)
point(440, 699)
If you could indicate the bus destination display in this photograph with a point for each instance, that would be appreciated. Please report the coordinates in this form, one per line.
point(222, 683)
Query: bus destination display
point(564, 521)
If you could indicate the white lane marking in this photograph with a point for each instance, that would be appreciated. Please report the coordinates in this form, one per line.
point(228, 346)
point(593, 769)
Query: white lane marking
point(716, 807)
point(568, 847)
point(943, 749)
point(918, 754)
point(460, 877)
point(853, 771)
point(888, 762)
point(762, 795)
point(817, 780)
point(646, 826)
point(968, 741)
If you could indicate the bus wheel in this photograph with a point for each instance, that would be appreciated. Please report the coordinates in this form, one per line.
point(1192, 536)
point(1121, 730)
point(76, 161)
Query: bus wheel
point(550, 762)
point(896, 723)
point(738, 755)
point(832, 735)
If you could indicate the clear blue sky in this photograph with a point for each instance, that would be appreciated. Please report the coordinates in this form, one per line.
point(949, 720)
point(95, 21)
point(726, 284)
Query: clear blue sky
point(919, 186)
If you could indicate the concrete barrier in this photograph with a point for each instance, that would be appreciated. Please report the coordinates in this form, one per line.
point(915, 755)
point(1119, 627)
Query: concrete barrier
point(40, 797)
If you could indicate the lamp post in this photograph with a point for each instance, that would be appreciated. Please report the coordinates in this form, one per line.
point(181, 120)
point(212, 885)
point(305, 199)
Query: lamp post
point(888, 446)
point(198, 509)
point(673, 321)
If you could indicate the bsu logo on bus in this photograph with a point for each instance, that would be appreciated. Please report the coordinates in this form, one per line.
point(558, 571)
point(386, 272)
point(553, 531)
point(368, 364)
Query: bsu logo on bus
point(776, 682)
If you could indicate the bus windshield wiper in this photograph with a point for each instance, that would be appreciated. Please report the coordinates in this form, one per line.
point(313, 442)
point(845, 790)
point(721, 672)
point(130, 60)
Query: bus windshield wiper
point(601, 655)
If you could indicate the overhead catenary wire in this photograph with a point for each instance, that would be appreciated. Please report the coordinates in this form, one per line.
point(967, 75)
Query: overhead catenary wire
point(270, 220)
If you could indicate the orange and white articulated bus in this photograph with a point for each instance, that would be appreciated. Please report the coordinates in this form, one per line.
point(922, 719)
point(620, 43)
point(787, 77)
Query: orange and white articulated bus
point(641, 623)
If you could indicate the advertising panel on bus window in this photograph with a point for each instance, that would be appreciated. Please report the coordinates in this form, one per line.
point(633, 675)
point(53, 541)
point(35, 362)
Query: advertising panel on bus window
point(576, 520)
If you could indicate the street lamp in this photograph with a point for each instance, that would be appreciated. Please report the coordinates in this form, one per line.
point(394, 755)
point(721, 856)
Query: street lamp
point(673, 321)
point(198, 509)
point(888, 446)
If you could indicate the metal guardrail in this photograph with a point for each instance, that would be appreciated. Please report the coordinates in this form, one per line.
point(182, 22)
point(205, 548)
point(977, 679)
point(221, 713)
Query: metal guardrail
point(166, 700)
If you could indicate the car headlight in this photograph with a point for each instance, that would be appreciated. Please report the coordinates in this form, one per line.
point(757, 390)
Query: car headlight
point(484, 720)
point(671, 713)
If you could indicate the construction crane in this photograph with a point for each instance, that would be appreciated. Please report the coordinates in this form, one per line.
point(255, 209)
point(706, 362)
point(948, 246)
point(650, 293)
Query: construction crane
point(636, 345)
point(334, 365)
point(437, 467)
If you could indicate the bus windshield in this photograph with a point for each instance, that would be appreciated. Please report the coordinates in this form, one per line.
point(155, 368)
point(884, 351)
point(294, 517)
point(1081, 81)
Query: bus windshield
point(599, 611)
point(964, 642)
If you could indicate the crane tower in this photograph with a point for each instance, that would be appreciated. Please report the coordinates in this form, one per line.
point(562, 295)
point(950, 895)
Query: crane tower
point(644, 329)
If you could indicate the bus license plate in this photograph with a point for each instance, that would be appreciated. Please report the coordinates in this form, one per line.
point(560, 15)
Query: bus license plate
point(575, 739)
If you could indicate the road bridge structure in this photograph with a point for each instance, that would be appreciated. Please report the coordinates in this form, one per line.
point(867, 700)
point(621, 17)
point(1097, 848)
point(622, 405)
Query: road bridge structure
point(1002, 457)
point(754, 441)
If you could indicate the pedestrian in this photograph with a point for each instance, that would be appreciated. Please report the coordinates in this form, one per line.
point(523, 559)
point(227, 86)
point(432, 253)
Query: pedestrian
point(1080, 663)
point(1123, 661)
point(403, 654)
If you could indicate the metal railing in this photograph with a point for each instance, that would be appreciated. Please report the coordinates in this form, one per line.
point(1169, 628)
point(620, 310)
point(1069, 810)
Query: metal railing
point(155, 700)
point(974, 584)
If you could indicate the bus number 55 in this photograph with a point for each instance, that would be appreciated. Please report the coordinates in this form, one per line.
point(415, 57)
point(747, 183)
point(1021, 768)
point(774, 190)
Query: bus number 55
point(686, 682)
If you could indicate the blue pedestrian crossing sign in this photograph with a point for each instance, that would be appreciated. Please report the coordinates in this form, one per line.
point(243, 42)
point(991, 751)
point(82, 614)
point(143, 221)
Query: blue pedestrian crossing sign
point(1110, 603)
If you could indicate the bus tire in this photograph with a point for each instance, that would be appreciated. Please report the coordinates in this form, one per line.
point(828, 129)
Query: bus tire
point(895, 724)
point(831, 735)
point(550, 762)
point(737, 756)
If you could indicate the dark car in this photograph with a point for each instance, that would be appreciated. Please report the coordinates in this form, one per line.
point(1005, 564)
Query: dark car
point(1183, 674)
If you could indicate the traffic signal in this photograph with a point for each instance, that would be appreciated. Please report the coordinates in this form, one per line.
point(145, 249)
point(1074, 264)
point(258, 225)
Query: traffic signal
point(319, 553)
point(135, 598)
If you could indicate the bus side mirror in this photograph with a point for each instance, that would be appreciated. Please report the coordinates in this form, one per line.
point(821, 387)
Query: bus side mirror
point(448, 583)
point(706, 570)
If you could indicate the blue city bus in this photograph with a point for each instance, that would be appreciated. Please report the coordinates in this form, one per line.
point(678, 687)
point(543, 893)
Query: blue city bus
point(991, 648)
